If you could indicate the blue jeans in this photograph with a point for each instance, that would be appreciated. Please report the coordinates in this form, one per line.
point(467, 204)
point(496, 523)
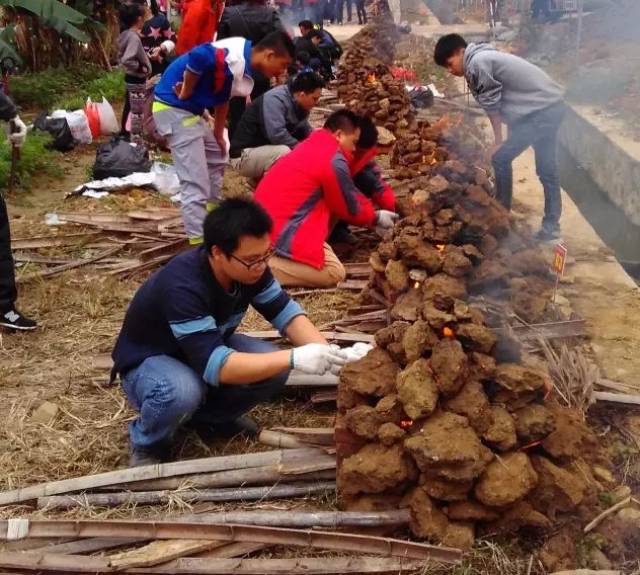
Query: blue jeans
point(167, 393)
point(539, 130)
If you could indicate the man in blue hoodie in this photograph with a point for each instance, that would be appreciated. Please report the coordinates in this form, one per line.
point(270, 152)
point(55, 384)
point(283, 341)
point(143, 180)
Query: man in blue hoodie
point(517, 93)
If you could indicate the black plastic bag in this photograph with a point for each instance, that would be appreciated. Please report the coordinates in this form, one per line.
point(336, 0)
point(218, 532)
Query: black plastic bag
point(118, 158)
point(59, 129)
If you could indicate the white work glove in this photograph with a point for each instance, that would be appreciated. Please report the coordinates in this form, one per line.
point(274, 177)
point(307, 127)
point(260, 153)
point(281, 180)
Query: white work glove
point(18, 137)
point(316, 358)
point(357, 351)
point(384, 221)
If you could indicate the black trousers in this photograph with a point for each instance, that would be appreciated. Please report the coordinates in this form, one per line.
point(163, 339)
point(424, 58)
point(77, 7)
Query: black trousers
point(261, 84)
point(8, 291)
point(362, 15)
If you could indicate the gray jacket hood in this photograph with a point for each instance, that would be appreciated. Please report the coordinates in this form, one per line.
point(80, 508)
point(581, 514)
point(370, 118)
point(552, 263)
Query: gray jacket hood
point(507, 84)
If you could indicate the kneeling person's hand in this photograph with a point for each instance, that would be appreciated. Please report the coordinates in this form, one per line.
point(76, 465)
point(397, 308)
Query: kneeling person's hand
point(316, 358)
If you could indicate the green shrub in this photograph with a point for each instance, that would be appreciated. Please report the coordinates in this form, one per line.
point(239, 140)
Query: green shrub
point(35, 158)
point(66, 87)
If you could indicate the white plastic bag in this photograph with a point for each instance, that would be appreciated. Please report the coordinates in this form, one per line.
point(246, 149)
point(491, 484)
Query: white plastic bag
point(108, 121)
point(79, 126)
point(166, 178)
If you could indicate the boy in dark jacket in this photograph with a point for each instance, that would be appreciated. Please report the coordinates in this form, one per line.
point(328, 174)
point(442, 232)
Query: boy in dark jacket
point(10, 317)
point(274, 124)
point(137, 66)
point(517, 93)
point(253, 20)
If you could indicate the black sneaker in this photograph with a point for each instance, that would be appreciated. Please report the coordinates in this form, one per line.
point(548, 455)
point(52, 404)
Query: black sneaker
point(13, 319)
point(545, 234)
point(242, 425)
point(151, 455)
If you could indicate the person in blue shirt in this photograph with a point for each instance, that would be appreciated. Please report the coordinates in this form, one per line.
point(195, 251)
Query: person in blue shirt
point(178, 355)
point(191, 107)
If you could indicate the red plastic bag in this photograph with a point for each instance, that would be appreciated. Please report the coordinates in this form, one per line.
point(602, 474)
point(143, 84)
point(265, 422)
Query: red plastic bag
point(93, 117)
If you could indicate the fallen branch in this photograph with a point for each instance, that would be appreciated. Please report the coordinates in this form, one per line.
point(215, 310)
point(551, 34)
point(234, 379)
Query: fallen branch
point(600, 518)
point(71, 265)
point(189, 496)
point(329, 335)
point(161, 551)
point(147, 472)
point(267, 475)
point(305, 519)
point(301, 565)
point(617, 397)
point(383, 546)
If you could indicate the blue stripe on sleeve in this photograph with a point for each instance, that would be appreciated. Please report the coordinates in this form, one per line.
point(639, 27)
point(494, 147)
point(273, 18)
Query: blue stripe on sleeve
point(184, 328)
point(291, 310)
point(217, 359)
point(271, 292)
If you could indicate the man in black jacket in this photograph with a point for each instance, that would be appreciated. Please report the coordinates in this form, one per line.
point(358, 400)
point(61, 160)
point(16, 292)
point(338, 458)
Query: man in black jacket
point(274, 124)
point(253, 20)
point(10, 317)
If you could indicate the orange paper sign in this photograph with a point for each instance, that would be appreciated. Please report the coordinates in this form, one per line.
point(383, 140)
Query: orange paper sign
point(559, 259)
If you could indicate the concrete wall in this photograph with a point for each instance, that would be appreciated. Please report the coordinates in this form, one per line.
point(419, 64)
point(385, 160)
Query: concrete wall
point(612, 160)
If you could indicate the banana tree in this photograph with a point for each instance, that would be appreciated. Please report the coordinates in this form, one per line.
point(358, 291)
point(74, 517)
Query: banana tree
point(49, 32)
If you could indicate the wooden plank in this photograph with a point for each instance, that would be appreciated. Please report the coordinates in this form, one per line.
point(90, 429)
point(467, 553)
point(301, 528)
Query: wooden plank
point(146, 472)
point(190, 495)
point(624, 398)
point(324, 397)
point(329, 335)
point(337, 541)
point(316, 435)
point(83, 546)
point(617, 386)
point(550, 330)
point(33, 561)
point(173, 247)
point(161, 551)
point(301, 565)
point(65, 267)
point(37, 259)
point(36, 242)
point(353, 285)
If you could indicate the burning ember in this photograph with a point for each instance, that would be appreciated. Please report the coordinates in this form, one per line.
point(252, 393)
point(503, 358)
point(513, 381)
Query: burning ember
point(371, 79)
point(448, 332)
point(416, 285)
point(406, 423)
point(440, 247)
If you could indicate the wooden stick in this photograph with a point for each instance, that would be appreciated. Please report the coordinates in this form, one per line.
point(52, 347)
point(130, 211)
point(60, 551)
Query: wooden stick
point(330, 335)
point(36, 242)
point(82, 546)
point(314, 435)
point(383, 546)
point(616, 385)
point(297, 379)
point(146, 472)
point(304, 519)
point(279, 439)
point(71, 265)
point(617, 397)
point(227, 551)
point(266, 475)
point(161, 497)
point(301, 565)
point(600, 518)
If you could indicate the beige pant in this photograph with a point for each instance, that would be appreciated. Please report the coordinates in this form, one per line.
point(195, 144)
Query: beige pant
point(254, 162)
point(296, 274)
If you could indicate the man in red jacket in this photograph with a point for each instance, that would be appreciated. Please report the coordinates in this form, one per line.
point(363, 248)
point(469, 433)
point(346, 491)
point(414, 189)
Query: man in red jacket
point(305, 192)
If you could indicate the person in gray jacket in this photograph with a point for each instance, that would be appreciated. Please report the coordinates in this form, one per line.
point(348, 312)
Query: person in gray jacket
point(274, 124)
point(517, 93)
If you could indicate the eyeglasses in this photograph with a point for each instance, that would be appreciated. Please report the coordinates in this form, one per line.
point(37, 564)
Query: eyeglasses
point(256, 263)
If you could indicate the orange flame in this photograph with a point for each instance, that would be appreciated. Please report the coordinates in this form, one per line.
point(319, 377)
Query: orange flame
point(406, 423)
point(440, 247)
point(448, 332)
point(371, 78)
point(416, 285)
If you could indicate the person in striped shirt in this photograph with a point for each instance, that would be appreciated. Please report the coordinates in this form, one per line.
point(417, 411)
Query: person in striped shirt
point(178, 354)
